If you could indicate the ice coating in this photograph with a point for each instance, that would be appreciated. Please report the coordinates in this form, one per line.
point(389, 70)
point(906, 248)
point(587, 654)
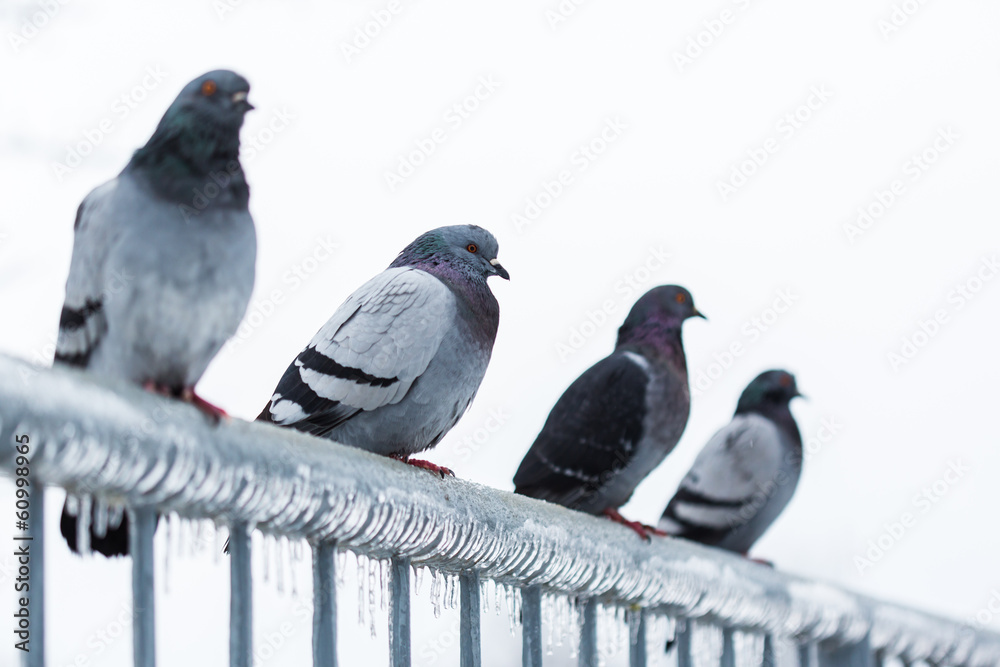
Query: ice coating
point(113, 442)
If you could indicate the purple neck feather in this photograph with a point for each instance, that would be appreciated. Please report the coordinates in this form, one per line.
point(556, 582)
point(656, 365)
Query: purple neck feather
point(658, 338)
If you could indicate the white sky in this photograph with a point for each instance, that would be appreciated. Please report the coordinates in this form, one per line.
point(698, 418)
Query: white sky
point(330, 129)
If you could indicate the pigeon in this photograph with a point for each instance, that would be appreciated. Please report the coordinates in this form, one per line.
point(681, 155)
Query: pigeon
point(619, 419)
point(401, 360)
point(746, 474)
point(163, 258)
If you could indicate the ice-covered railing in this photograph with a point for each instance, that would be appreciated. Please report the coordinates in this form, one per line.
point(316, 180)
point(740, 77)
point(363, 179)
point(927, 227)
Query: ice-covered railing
point(117, 444)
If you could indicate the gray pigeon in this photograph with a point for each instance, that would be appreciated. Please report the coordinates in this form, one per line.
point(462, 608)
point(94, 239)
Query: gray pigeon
point(746, 474)
point(401, 360)
point(163, 258)
point(619, 419)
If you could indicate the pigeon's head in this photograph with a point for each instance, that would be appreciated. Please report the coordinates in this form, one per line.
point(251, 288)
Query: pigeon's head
point(662, 308)
point(216, 99)
point(466, 249)
point(771, 388)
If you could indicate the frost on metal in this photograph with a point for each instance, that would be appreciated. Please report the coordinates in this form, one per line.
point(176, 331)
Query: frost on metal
point(120, 444)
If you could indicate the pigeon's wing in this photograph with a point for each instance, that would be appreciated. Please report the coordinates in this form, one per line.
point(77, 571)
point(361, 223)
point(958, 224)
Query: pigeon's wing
point(82, 323)
point(590, 435)
point(728, 481)
point(367, 355)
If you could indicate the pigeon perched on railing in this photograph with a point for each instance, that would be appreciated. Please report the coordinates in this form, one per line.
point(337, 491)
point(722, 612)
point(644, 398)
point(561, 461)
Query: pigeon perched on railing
point(620, 419)
point(746, 474)
point(163, 258)
point(401, 360)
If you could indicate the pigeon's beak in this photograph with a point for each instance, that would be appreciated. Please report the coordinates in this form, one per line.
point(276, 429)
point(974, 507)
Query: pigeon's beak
point(697, 313)
point(799, 394)
point(499, 270)
point(240, 98)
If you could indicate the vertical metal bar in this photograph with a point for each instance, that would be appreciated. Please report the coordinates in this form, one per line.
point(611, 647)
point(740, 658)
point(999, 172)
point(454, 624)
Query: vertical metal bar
point(682, 637)
point(832, 654)
point(144, 612)
point(34, 543)
point(240, 597)
point(807, 655)
point(588, 635)
point(531, 627)
point(728, 649)
point(399, 614)
point(471, 614)
point(324, 605)
point(637, 648)
point(769, 659)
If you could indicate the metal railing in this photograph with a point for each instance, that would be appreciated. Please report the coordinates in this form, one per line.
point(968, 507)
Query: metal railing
point(122, 444)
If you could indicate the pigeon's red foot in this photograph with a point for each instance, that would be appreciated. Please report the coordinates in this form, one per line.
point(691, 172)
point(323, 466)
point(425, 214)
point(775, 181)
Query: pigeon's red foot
point(426, 465)
point(158, 389)
point(760, 561)
point(641, 529)
point(214, 412)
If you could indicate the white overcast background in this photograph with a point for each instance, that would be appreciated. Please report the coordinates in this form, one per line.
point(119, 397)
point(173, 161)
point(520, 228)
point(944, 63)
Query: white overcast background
point(673, 100)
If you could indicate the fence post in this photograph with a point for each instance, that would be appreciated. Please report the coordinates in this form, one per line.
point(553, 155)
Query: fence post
point(728, 648)
point(531, 626)
point(682, 637)
point(324, 639)
point(588, 634)
point(144, 611)
point(471, 615)
point(399, 614)
point(240, 597)
point(35, 541)
point(637, 648)
point(833, 654)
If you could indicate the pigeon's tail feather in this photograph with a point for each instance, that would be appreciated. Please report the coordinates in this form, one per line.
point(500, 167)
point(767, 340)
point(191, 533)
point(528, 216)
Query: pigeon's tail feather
point(114, 543)
point(264, 416)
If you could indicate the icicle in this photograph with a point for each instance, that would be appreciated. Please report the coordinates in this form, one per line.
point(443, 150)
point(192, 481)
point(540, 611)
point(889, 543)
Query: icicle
point(295, 556)
point(266, 549)
point(373, 564)
point(383, 583)
point(280, 547)
point(509, 599)
point(484, 596)
point(168, 520)
point(418, 579)
point(341, 568)
point(83, 526)
point(359, 570)
point(181, 525)
point(436, 585)
point(496, 597)
point(218, 546)
point(100, 517)
point(115, 515)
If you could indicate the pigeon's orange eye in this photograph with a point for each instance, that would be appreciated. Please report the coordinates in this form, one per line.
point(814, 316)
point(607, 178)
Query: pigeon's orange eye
point(208, 88)
point(786, 381)
point(472, 247)
point(680, 298)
